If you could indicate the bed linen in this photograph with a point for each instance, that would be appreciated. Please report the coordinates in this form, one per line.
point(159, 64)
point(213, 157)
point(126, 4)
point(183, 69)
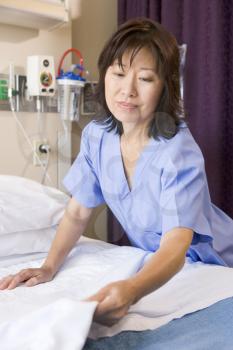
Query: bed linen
point(55, 309)
point(15, 259)
point(22, 204)
point(207, 329)
point(25, 226)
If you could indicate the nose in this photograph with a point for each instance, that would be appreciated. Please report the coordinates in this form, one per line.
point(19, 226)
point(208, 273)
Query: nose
point(129, 88)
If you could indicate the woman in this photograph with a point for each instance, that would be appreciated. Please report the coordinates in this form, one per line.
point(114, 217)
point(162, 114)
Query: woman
point(141, 160)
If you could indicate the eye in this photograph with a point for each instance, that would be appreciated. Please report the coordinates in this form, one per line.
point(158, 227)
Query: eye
point(118, 71)
point(148, 80)
point(118, 74)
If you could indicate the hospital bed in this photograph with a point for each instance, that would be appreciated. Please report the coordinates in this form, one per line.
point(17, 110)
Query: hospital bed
point(207, 329)
point(194, 310)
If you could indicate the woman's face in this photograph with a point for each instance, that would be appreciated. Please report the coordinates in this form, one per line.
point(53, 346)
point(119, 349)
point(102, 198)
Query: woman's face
point(133, 91)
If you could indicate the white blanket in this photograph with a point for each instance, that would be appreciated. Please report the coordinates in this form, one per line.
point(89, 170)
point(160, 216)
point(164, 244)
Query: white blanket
point(53, 316)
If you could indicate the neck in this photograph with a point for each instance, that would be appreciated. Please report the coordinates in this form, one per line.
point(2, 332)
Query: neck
point(135, 134)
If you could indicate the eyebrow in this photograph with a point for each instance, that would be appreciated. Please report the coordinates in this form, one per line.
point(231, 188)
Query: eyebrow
point(142, 68)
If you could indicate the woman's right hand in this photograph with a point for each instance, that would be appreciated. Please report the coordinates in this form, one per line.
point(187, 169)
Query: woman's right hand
point(30, 277)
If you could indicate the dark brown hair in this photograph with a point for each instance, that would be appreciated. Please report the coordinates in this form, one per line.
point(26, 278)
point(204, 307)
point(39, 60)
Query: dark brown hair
point(134, 35)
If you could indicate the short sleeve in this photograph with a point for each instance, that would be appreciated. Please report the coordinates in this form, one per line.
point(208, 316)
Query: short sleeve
point(185, 199)
point(82, 180)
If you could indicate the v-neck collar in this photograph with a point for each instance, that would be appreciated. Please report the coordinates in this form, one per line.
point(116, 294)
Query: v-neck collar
point(114, 157)
point(143, 159)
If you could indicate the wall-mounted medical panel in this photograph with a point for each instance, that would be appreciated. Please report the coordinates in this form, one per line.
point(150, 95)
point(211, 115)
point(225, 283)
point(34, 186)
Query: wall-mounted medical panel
point(25, 103)
point(22, 102)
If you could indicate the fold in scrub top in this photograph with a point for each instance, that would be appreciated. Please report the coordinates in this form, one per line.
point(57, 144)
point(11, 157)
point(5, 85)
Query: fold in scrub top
point(169, 189)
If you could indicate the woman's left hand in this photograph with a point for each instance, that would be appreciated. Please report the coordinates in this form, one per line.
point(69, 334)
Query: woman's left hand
point(114, 302)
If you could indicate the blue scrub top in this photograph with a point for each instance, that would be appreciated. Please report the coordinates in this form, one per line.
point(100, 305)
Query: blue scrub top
point(169, 189)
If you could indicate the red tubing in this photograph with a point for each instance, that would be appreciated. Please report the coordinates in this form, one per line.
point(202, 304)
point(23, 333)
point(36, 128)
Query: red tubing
point(77, 52)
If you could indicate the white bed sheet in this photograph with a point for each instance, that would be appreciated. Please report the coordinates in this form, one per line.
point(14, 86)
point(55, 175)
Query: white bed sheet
point(15, 259)
point(56, 313)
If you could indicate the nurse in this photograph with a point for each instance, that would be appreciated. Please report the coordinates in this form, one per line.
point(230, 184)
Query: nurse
point(142, 161)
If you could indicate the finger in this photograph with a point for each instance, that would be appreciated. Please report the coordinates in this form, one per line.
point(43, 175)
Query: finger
point(99, 296)
point(108, 321)
point(31, 282)
point(106, 305)
point(5, 281)
point(36, 278)
point(95, 297)
point(20, 277)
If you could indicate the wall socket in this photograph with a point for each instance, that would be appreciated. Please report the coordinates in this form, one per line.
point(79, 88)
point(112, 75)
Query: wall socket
point(38, 154)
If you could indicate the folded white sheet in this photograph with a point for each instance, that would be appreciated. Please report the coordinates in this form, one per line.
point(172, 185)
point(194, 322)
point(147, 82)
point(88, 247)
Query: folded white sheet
point(50, 327)
point(54, 311)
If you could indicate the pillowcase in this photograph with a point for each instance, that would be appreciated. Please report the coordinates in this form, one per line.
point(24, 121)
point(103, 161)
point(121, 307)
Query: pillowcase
point(26, 205)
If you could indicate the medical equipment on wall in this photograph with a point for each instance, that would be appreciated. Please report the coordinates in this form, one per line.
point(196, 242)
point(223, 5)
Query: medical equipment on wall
point(69, 88)
point(40, 87)
point(41, 84)
point(40, 76)
point(12, 92)
point(70, 85)
point(3, 90)
point(41, 80)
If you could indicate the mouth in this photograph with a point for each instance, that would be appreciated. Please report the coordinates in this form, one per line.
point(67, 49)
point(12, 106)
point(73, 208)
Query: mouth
point(126, 106)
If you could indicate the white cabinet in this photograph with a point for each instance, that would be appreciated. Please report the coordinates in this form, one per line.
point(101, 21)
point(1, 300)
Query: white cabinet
point(38, 14)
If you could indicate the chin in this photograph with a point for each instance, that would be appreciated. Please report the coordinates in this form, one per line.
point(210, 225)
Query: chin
point(125, 118)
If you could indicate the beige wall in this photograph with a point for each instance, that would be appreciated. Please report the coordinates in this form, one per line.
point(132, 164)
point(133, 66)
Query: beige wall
point(15, 153)
point(94, 21)
point(17, 43)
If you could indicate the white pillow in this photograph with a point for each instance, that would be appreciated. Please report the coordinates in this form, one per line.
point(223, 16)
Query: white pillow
point(26, 205)
point(27, 242)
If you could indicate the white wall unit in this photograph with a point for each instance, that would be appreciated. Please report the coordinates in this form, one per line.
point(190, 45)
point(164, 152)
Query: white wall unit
point(35, 14)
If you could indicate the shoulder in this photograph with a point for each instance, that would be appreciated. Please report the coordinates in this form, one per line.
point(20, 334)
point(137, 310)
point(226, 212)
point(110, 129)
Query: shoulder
point(93, 134)
point(93, 129)
point(182, 152)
